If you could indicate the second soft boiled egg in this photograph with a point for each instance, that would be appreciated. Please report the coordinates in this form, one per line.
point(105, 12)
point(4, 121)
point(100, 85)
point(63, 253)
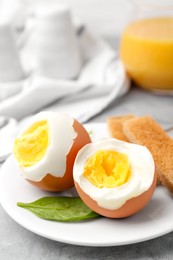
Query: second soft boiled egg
point(46, 149)
point(114, 178)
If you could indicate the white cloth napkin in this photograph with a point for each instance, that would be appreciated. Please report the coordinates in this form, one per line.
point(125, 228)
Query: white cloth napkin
point(102, 80)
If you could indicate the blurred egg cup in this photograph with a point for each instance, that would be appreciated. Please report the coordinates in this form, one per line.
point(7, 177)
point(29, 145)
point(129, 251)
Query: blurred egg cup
point(47, 46)
point(50, 34)
point(11, 71)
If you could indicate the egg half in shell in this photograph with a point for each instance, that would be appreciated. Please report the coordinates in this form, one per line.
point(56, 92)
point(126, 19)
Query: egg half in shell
point(46, 148)
point(114, 178)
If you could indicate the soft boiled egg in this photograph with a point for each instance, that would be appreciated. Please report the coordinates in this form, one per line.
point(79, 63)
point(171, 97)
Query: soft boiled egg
point(114, 178)
point(46, 148)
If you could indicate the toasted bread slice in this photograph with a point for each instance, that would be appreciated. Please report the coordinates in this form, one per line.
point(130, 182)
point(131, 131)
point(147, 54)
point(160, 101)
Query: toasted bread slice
point(146, 131)
point(115, 126)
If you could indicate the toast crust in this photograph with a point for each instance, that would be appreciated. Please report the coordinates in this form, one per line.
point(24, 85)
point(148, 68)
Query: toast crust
point(115, 126)
point(146, 131)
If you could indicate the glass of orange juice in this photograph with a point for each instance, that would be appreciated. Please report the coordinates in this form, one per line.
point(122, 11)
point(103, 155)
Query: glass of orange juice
point(146, 47)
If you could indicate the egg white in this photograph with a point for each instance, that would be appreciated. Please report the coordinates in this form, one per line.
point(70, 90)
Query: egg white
point(142, 173)
point(61, 135)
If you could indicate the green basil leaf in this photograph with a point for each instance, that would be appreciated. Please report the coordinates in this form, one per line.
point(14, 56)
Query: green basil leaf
point(60, 209)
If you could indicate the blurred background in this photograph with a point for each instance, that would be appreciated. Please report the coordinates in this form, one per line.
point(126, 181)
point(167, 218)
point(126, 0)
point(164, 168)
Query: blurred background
point(105, 17)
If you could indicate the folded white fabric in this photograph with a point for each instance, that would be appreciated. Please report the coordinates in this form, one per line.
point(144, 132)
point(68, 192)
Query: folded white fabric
point(102, 80)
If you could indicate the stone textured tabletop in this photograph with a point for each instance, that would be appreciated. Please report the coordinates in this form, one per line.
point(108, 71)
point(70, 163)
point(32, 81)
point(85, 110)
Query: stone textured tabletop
point(17, 243)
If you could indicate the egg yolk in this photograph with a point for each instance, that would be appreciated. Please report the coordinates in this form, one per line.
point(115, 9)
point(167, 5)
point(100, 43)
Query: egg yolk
point(31, 146)
point(107, 168)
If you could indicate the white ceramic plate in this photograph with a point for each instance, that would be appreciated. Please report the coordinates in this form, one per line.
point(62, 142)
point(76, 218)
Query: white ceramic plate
point(155, 220)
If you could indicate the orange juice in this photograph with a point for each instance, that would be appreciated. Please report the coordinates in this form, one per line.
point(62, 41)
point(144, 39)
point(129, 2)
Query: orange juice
point(147, 52)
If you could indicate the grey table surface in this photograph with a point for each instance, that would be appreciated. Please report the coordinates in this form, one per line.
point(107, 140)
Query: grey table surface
point(19, 243)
